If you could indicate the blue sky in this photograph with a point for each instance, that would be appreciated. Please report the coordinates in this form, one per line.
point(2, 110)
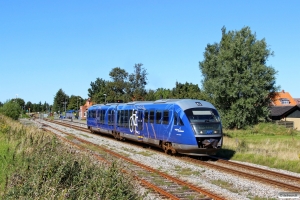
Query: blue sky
point(50, 45)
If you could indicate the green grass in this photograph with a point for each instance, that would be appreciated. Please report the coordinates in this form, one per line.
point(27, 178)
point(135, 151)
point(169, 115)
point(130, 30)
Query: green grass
point(265, 144)
point(145, 153)
point(226, 185)
point(35, 165)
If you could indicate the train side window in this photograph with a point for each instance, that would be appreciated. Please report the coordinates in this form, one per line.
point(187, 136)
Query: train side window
point(101, 116)
point(109, 117)
point(165, 117)
point(122, 118)
point(126, 118)
point(104, 112)
point(119, 118)
point(158, 116)
point(112, 117)
point(146, 116)
point(151, 116)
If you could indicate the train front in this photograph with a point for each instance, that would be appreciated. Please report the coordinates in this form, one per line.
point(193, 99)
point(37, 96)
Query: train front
point(207, 127)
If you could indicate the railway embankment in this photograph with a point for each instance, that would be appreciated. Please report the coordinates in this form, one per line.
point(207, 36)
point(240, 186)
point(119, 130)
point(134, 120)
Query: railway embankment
point(36, 165)
point(233, 186)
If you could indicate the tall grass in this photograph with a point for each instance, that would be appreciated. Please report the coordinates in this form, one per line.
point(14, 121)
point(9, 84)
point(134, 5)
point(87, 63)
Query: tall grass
point(266, 144)
point(35, 165)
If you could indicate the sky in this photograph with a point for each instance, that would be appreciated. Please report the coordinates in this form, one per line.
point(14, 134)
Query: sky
point(50, 45)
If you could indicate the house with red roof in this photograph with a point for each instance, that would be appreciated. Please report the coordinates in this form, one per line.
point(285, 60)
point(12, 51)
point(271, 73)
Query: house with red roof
point(285, 108)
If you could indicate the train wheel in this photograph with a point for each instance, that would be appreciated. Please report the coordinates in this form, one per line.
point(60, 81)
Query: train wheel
point(115, 135)
point(167, 147)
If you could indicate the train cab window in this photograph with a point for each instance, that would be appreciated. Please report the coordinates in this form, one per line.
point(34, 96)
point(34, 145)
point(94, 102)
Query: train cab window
point(165, 117)
point(202, 115)
point(146, 116)
point(151, 116)
point(180, 123)
point(158, 116)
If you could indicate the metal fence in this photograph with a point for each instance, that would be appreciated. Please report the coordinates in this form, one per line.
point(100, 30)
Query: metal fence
point(287, 124)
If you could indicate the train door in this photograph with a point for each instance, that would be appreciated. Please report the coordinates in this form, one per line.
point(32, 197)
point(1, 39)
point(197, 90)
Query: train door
point(98, 114)
point(111, 114)
point(140, 120)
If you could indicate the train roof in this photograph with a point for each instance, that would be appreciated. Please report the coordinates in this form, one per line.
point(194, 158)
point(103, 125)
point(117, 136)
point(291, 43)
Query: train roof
point(183, 103)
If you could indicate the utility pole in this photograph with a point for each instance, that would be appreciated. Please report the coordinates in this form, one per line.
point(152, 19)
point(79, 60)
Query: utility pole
point(65, 102)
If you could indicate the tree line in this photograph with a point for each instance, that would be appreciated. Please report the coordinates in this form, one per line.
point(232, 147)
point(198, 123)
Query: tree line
point(236, 80)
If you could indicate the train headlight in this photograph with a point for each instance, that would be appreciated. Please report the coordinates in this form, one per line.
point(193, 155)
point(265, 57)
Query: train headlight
point(215, 132)
point(201, 132)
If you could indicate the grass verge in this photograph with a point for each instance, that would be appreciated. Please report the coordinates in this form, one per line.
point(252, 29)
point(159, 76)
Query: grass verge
point(36, 165)
point(265, 144)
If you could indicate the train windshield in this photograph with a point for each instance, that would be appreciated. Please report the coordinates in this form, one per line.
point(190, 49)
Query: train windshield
point(204, 121)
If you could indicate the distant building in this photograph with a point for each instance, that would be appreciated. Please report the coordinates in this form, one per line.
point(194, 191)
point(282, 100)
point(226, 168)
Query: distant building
point(84, 108)
point(283, 99)
point(285, 108)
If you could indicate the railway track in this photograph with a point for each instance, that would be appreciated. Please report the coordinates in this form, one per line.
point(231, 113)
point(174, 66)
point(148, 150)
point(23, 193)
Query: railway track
point(286, 182)
point(165, 185)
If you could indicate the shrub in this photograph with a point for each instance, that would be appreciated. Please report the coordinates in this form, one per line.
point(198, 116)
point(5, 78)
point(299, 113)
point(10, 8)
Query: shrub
point(11, 109)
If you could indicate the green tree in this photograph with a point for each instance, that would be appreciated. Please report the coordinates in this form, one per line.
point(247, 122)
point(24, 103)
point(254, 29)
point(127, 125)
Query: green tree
point(29, 106)
point(74, 102)
point(117, 87)
point(162, 93)
point(150, 96)
point(11, 109)
point(45, 107)
point(137, 83)
point(98, 90)
point(237, 79)
point(59, 101)
point(1, 104)
point(19, 101)
point(187, 90)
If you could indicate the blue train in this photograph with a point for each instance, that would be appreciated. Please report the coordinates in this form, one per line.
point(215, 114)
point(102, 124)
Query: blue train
point(183, 126)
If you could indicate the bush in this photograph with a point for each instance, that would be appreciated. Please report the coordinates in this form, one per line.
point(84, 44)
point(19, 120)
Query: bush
point(11, 109)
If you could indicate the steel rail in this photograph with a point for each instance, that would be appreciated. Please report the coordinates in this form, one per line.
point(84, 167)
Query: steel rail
point(176, 180)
